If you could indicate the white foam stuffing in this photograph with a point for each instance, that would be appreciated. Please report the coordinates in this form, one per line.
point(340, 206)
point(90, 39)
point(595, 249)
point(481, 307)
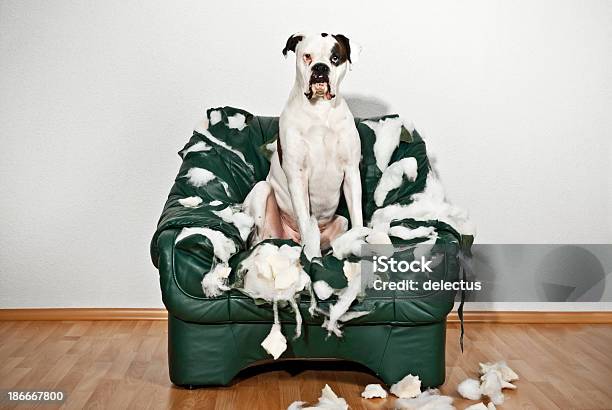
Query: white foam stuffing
point(491, 386)
point(427, 205)
point(469, 389)
point(275, 343)
point(190, 201)
point(197, 147)
point(428, 400)
point(406, 233)
point(322, 289)
point(328, 401)
point(407, 388)
point(223, 247)
point(346, 297)
point(199, 177)
point(215, 117)
point(226, 146)
point(393, 176)
point(506, 373)
point(353, 315)
point(237, 121)
point(243, 222)
point(372, 391)
point(214, 282)
point(216, 202)
point(267, 269)
point(275, 274)
point(387, 133)
point(494, 378)
point(349, 243)
point(271, 147)
point(378, 238)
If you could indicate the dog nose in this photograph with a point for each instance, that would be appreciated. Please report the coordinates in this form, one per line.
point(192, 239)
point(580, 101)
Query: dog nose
point(320, 68)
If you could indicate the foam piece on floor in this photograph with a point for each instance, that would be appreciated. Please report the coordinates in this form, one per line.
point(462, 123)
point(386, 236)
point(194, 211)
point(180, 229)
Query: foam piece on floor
point(428, 400)
point(373, 391)
point(328, 401)
point(408, 387)
point(469, 389)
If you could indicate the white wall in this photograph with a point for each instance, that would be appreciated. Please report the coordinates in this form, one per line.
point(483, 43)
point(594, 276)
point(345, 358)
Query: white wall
point(96, 97)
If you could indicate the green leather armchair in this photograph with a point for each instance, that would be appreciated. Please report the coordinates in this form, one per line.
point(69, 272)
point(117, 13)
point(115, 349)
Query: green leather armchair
point(211, 339)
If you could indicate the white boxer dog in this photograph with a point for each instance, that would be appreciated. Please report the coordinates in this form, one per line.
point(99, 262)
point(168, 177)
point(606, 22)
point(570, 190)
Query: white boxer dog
point(317, 154)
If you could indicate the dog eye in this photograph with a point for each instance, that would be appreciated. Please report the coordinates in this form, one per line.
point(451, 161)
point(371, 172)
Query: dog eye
point(307, 58)
point(334, 59)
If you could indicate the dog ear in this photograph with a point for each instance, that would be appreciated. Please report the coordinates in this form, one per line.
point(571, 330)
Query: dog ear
point(292, 43)
point(347, 48)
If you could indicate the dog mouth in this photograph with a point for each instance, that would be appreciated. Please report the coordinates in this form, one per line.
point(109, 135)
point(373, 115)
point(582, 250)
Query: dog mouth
point(319, 87)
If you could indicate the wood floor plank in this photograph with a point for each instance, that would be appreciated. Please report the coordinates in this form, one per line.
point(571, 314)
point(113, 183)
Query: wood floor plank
point(123, 365)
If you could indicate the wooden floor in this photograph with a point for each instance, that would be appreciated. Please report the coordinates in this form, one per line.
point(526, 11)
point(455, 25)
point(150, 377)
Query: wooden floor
point(123, 364)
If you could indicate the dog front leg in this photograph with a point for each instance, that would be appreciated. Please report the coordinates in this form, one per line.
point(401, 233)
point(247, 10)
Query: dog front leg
point(297, 182)
point(352, 194)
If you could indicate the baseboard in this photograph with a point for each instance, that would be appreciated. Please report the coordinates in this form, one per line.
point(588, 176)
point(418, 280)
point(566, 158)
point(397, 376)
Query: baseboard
point(532, 317)
point(84, 314)
point(70, 314)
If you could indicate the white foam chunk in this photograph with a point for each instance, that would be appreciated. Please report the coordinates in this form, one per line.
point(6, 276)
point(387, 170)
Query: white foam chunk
point(346, 297)
point(216, 202)
point(215, 117)
point(197, 147)
point(378, 238)
point(237, 121)
point(469, 389)
point(322, 289)
point(408, 387)
point(491, 386)
point(275, 274)
point(190, 201)
point(506, 373)
point(223, 247)
point(275, 343)
point(328, 401)
point(199, 177)
point(406, 233)
point(427, 205)
point(393, 176)
point(372, 391)
point(349, 243)
point(387, 133)
point(243, 222)
point(428, 400)
point(214, 282)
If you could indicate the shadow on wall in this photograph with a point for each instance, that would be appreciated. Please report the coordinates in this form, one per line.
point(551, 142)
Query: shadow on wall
point(365, 106)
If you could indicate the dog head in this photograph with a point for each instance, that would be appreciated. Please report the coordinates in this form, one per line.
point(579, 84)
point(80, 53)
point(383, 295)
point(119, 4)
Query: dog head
point(321, 62)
